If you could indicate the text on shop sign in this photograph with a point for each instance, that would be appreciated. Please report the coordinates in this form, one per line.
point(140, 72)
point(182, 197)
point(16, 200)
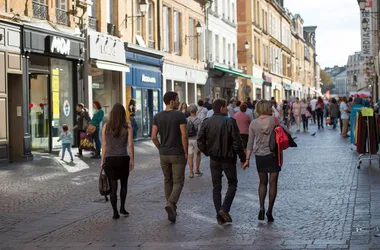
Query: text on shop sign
point(148, 79)
point(60, 46)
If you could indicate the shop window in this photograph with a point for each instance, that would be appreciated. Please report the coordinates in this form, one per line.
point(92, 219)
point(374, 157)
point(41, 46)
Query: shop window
point(258, 93)
point(180, 89)
point(169, 85)
point(63, 106)
point(200, 91)
point(106, 89)
point(191, 93)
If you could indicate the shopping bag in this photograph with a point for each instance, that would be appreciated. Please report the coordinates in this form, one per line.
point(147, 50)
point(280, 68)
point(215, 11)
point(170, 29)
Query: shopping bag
point(328, 120)
point(86, 142)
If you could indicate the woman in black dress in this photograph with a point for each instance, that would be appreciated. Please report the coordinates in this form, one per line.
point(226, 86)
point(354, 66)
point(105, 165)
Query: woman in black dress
point(117, 163)
point(260, 131)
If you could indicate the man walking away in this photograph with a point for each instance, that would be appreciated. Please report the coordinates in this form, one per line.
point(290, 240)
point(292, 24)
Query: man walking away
point(193, 126)
point(313, 104)
point(173, 148)
point(220, 139)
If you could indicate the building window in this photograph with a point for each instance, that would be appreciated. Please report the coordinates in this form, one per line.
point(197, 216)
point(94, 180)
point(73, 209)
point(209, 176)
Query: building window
point(233, 13)
point(166, 29)
point(228, 9)
point(191, 38)
point(224, 50)
point(201, 48)
point(40, 9)
point(61, 12)
point(138, 21)
point(151, 26)
point(217, 48)
point(234, 54)
point(109, 10)
point(177, 21)
point(216, 6)
point(229, 54)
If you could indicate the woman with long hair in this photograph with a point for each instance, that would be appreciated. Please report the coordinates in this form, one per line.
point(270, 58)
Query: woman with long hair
point(132, 117)
point(184, 109)
point(260, 131)
point(117, 163)
point(96, 120)
point(320, 106)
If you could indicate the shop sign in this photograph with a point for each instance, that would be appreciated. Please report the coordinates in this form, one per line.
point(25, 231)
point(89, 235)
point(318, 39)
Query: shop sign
point(148, 79)
point(366, 33)
point(106, 48)
point(59, 45)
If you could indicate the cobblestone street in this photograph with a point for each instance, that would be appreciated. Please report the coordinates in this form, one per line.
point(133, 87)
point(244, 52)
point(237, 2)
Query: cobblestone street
point(323, 202)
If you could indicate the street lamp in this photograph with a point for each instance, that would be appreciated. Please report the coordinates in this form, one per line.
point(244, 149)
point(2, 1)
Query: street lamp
point(362, 4)
point(144, 8)
point(199, 30)
point(365, 23)
point(246, 47)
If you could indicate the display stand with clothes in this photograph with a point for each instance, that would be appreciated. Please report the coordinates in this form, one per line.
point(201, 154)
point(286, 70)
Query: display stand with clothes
point(367, 136)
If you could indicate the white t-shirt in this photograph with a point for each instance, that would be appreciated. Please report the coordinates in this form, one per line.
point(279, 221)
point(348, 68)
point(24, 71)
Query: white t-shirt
point(202, 113)
point(343, 114)
point(313, 104)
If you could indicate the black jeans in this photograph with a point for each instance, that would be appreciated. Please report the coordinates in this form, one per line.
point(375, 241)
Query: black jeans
point(217, 167)
point(305, 122)
point(320, 118)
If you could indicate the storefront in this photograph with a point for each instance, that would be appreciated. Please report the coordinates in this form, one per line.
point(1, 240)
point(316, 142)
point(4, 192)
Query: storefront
point(53, 76)
point(297, 89)
point(277, 88)
point(188, 82)
point(12, 128)
point(106, 71)
point(267, 86)
point(143, 83)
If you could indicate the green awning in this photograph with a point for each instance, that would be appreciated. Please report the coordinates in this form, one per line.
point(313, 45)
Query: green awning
point(233, 72)
point(269, 84)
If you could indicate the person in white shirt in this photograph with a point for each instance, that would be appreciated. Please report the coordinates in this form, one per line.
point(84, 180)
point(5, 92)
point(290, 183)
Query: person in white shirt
point(202, 111)
point(237, 108)
point(313, 104)
point(344, 116)
point(231, 107)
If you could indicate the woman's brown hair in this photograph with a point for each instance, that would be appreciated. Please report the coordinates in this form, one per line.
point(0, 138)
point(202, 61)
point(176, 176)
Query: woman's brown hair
point(97, 104)
point(264, 107)
point(117, 120)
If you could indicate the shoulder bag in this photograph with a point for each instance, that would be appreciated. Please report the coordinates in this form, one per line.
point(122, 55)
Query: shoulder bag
point(104, 184)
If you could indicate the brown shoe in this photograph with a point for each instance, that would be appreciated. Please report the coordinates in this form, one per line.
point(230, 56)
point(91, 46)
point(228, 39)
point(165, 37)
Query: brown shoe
point(170, 209)
point(226, 217)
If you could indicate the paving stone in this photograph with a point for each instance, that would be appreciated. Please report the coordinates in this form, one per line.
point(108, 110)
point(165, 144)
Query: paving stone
point(48, 206)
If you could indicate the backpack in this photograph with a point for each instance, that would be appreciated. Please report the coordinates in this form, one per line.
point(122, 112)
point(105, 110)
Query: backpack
point(191, 129)
point(280, 140)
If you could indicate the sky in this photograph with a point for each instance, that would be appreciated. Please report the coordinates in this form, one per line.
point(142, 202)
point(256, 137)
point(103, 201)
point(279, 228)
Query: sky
point(338, 32)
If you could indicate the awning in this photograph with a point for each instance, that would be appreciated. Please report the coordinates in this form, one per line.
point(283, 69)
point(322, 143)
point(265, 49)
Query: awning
point(112, 66)
point(233, 72)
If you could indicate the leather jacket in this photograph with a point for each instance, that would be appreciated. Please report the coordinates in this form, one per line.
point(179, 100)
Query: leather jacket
point(219, 138)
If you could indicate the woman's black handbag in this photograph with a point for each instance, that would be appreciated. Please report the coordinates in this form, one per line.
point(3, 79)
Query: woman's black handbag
point(104, 184)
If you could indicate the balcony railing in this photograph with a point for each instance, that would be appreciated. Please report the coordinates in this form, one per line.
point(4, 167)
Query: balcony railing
point(110, 29)
point(92, 23)
point(151, 44)
point(62, 16)
point(40, 10)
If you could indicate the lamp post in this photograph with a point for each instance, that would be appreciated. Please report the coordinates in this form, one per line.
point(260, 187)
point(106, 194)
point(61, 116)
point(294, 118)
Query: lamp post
point(144, 8)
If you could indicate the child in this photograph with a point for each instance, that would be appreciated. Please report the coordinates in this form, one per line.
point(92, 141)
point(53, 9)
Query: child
point(66, 138)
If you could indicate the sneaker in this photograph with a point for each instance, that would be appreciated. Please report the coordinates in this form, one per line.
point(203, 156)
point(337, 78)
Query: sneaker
point(171, 212)
point(78, 155)
point(62, 159)
point(72, 160)
point(226, 217)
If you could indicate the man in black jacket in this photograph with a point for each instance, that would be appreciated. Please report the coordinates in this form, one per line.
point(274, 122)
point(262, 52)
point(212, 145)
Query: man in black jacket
point(219, 138)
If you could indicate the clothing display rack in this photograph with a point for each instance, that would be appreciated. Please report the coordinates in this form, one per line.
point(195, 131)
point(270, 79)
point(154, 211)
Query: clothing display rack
point(367, 136)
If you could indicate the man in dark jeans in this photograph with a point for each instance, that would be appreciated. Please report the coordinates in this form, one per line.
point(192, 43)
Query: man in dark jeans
point(173, 148)
point(223, 151)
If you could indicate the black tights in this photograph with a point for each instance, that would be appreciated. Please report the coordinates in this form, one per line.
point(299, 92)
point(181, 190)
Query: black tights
point(273, 179)
point(123, 195)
